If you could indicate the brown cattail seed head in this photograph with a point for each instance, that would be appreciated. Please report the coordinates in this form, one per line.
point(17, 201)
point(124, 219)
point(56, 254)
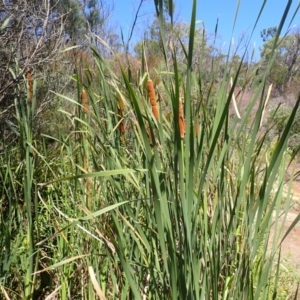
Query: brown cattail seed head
point(150, 137)
point(181, 120)
point(151, 93)
point(121, 104)
point(196, 127)
point(120, 116)
point(84, 101)
point(30, 85)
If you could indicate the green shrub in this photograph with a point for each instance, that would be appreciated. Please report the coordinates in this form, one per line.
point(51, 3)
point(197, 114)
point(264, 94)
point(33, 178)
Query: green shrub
point(279, 118)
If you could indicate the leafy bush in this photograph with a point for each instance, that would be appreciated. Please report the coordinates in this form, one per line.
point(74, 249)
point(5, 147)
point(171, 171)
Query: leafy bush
point(279, 118)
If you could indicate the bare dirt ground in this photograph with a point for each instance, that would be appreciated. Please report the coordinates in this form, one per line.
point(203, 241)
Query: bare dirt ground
point(291, 245)
point(289, 274)
point(289, 269)
point(290, 248)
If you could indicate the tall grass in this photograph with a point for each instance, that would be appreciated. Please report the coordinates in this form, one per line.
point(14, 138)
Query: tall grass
point(149, 211)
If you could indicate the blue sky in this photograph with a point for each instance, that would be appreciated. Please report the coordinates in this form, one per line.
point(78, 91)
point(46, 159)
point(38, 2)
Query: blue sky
point(209, 11)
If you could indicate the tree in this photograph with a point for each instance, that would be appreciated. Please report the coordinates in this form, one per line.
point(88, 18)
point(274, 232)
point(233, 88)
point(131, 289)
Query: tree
point(91, 18)
point(269, 33)
point(83, 17)
point(31, 34)
point(177, 38)
point(287, 63)
point(154, 34)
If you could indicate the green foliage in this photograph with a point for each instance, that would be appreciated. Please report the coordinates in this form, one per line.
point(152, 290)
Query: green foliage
point(269, 33)
point(289, 279)
point(82, 16)
point(279, 74)
point(19, 206)
point(286, 66)
point(76, 20)
point(279, 118)
point(144, 210)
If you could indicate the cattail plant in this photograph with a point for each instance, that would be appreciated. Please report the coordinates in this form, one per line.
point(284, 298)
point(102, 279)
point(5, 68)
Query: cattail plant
point(150, 137)
point(85, 153)
point(87, 180)
point(30, 85)
point(187, 219)
point(181, 120)
point(151, 93)
point(196, 128)
point(84, 101)
point(120, 116)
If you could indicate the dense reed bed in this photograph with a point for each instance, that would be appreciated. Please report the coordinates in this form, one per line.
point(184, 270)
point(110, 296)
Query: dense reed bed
point(171, 198)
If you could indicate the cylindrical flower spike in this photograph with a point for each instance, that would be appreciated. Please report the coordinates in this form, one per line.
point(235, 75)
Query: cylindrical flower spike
point(151, 93)
point(181, 120)
point(30, 85)
point(196, 128)
point(120, 116)
point(84, 101)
